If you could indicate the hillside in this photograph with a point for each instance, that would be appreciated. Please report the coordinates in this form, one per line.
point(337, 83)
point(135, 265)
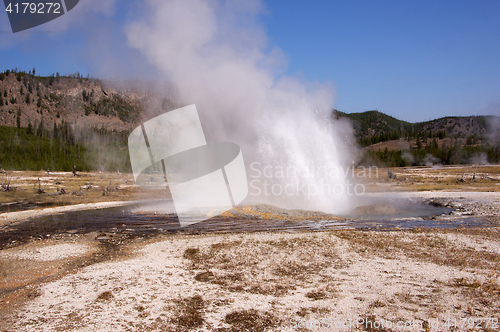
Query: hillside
point(375, 123)
point(82, 102)
point(388, 141)
point(463, 126)
point(64, 121)
point(26, 98)
point(370, 123)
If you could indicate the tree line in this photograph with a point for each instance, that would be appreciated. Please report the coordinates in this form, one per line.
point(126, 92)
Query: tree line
point(448, 154)
point(61, 148)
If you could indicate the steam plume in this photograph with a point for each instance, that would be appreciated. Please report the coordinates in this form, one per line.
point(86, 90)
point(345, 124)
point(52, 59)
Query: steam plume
point(217, 56)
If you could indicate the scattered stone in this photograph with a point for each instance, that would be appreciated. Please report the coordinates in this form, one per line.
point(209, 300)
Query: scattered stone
point(103, 236)
point(454, 205)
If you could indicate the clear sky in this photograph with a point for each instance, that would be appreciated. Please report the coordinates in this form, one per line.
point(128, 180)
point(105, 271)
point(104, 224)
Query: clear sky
point(413, 59)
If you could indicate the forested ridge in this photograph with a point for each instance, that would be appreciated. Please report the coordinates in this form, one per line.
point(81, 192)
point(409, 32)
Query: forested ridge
point(388, 141)
point(59, 122)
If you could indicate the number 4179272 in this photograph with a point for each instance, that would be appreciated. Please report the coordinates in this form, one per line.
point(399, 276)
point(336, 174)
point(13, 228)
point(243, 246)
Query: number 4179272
point(34, 8)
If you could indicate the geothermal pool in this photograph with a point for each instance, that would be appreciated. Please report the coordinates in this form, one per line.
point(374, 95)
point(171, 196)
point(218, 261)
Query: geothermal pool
point(138, 220)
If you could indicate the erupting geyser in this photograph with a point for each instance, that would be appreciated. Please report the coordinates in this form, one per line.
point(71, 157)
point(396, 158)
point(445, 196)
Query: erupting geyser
point(217, 56)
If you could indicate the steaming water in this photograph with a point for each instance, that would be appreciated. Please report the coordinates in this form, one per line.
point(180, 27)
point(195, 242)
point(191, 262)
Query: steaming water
point(134, 221)
point(218, 57)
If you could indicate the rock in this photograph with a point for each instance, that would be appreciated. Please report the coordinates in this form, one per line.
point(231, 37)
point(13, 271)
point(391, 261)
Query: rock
point(454, 205)
point(103, 237)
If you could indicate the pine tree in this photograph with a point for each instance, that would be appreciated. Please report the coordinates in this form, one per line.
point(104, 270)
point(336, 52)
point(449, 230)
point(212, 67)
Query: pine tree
point(419, 143)
point(39, 132)
point(18, 119)
point(39, 102)
point(29, 130)
point(1, 100)
point(28, 98)
point(54, 131)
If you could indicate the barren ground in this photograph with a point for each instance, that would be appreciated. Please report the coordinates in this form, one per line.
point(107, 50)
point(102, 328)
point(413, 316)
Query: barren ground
point(434, 279)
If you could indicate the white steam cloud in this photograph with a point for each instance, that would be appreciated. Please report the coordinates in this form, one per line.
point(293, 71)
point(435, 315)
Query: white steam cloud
point(430, 160)
point(217, 56)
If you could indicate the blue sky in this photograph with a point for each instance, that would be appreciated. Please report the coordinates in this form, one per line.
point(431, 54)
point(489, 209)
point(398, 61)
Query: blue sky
point(415, 60)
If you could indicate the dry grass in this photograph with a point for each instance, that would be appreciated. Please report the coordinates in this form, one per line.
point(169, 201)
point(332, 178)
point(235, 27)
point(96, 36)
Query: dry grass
point(85, 188)
point(189, 313)
point(480, 293)
point(89, 187)
point(259, 282)
point(105, 296)
point(466, 250)
point(249, 320)
point(421, 244)
point(420, 178)
point(316, 295)
point(266, 267)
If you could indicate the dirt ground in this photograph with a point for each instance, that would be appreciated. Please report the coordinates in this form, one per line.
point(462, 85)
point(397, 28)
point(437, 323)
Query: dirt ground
point(414, 280)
